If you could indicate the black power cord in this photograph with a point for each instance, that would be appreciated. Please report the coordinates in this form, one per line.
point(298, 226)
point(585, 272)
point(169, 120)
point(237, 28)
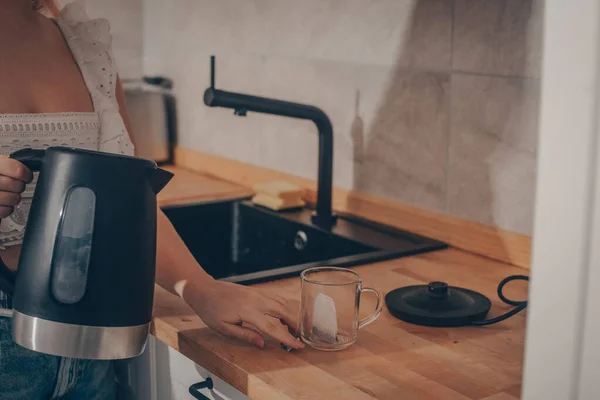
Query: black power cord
point(519, 305)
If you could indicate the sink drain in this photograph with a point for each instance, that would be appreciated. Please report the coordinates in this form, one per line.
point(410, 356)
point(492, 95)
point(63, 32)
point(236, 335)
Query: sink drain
point(300, 240)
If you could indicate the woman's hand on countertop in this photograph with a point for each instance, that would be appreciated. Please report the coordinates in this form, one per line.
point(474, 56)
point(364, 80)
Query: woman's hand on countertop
point(225, 306)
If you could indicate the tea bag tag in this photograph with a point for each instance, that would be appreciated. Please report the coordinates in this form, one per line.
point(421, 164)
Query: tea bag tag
point(325, 319)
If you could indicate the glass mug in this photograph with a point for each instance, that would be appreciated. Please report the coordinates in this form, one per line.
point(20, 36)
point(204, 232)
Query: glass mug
point(330, 299)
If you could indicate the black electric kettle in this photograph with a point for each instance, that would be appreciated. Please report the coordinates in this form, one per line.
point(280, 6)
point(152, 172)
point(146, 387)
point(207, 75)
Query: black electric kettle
point(85, 282)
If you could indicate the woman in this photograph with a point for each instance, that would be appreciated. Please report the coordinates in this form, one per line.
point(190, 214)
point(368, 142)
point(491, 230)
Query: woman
point(59, 85)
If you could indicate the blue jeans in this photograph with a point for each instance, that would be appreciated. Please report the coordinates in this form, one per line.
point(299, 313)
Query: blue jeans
point(28, 375)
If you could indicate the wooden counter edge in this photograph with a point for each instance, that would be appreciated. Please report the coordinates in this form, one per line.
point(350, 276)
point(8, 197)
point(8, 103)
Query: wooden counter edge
point(508, 247)
point(223, 368)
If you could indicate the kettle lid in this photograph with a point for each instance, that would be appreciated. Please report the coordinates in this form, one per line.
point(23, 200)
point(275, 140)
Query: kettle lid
point(157, 178)
point(102, 154)
point(437, 304)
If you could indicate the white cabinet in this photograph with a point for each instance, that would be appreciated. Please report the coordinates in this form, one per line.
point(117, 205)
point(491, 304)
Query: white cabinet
point(172, 374)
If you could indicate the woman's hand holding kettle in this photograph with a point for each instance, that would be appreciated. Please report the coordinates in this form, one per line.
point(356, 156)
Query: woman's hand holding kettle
point(13, 178)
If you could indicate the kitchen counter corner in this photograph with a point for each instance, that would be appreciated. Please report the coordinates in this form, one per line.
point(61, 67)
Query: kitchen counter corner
point(390, 357)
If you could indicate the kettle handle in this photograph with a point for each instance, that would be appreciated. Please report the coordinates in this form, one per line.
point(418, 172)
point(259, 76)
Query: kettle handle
point(7, 279)
point(32, 158)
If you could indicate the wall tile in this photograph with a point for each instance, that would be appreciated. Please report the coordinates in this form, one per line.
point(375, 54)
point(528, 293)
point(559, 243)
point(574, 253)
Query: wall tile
point(218, 130)
point(492, 152)
point(382, 32)
point(390, 127)
point(292, 145)
point(497, 36)
point(404, 154)
point(368, 64)
point(428, 38)
point(390, 123)
point(491, 183)
point(503, 108)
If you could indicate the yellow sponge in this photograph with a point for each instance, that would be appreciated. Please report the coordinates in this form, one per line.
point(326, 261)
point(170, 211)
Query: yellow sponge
point(276, 203)
point(281, 189)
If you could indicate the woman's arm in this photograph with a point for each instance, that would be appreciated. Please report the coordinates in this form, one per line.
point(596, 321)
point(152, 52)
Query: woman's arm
point(222, 306)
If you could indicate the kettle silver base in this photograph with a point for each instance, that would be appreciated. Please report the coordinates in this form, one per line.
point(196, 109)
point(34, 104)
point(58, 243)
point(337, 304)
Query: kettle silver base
point(78, 341)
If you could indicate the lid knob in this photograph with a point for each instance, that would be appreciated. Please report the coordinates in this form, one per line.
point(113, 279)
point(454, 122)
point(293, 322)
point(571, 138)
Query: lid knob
point(438, 290)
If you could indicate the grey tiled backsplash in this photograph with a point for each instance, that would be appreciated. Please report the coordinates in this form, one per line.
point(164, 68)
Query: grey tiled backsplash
point(492, 151)
point(433, 102)
point(497, 36)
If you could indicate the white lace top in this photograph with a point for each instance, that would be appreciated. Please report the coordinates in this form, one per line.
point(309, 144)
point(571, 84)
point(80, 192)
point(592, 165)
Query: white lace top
point(103, 129)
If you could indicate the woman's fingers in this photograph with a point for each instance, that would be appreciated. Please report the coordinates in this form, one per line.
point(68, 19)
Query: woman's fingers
point(8, 184)
point(245, 334)
point(293, 306)
point(15, 169)
point(274, 328)
point(9, 199)
point(284, 309)
point(274, 297)
point(13, 177)
point(283, 313)
point(6, 211)
point(293, 310)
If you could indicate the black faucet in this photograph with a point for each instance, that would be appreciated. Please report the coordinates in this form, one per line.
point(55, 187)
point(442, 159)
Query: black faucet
point(242, 103)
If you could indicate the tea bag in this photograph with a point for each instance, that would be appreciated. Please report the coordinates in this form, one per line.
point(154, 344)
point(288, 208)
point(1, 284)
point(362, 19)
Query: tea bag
point(324, 319)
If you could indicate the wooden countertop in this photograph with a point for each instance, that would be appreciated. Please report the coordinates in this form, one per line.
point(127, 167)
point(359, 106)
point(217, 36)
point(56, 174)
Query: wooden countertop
point(391, 359)
point(188, 187)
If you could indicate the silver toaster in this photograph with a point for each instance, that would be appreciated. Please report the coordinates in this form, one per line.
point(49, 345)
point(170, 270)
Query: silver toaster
point(152, 109)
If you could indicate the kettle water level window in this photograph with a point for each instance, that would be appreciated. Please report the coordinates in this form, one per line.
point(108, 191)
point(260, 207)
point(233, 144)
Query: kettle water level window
point(73, 246)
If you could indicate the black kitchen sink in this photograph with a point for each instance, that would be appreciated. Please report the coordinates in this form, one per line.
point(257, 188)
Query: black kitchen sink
point(238, 241)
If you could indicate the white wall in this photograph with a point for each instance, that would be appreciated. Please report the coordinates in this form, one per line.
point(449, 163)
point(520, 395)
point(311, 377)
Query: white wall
point(433, 102)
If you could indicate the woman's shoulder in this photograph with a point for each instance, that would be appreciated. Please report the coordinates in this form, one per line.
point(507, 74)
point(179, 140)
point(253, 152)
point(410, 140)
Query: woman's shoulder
point(78, 25)
point(90, 42)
